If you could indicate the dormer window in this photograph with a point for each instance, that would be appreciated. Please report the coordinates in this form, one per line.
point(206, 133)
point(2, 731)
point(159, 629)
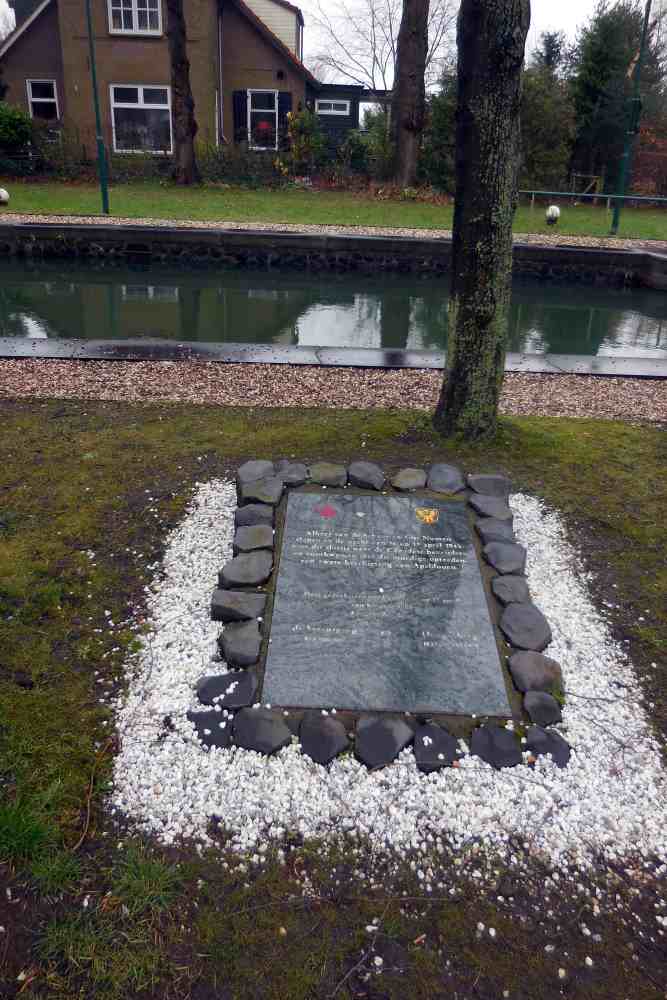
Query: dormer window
point(135, 17)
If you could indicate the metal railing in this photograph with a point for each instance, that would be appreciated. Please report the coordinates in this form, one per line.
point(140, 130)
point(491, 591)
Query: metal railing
point(576, 196)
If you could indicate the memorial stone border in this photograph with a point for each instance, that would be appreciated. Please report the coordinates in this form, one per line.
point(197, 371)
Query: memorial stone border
point(228, 712)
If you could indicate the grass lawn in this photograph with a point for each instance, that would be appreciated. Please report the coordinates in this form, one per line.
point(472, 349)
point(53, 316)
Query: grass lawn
point(164, 201)
point(86, 917)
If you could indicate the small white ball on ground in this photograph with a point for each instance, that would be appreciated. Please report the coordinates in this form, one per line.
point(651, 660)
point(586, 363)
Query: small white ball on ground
point(553, 215)
point(4, 197)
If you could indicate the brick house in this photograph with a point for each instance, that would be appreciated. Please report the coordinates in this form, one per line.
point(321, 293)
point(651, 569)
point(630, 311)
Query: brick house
point(246, 71)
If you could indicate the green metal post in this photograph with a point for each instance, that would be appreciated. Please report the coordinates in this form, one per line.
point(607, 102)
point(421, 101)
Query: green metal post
point(101, 151)
point(633, 128)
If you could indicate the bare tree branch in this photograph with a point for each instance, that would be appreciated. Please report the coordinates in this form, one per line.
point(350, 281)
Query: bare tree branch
point(359, 40)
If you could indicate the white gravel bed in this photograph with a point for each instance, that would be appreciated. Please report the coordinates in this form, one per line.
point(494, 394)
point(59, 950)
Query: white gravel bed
point(611, 800)
point(216, 384)
point(547, 239)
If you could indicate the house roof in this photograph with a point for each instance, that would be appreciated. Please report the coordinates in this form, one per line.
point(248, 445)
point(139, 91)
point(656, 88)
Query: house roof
point(274, 40)
point(16, 34)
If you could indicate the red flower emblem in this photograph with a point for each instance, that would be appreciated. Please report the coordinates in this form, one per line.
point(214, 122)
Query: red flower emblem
point(326, 511)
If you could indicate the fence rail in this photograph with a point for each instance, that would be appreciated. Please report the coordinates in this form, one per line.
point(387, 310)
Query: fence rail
point(576, 196)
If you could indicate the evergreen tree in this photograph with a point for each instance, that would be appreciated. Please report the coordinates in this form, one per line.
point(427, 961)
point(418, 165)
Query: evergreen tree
point(601, 67)
point(547, 129)
point(550, 52)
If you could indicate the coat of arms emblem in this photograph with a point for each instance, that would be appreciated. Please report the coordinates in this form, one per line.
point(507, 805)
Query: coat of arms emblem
point(427, 515)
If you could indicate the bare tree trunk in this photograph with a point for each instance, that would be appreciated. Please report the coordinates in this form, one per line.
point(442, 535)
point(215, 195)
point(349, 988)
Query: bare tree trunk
point(182, 102)
point(491, 42)
point(409, 97)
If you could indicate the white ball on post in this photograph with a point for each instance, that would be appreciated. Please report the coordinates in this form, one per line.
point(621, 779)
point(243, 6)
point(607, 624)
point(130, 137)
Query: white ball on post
point(553, 215)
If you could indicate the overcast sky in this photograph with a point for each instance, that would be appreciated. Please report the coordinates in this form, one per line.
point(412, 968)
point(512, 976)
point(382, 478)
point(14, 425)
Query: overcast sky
point(546, 15)
point(565, 15)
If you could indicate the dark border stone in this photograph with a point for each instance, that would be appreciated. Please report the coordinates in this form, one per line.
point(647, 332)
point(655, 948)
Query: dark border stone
point(379, 740)
point(261, 730)
point(498, 747)
point(322, 737)
point(434, 747)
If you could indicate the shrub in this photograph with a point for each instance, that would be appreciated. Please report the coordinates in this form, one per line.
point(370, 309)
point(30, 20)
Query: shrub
point(380, 149)
point(436, 158)
point(352, 155)
point(306, 146)
point(237, 165)
point(15, 129)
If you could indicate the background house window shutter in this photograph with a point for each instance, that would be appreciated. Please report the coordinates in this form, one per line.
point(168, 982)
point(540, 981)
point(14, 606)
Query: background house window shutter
point(284, 105)
point(240, 101)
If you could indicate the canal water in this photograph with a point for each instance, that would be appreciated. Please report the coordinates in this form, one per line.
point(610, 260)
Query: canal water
point(40, 300)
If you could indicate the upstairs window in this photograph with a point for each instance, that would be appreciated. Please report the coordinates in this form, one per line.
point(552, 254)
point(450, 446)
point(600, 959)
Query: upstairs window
point(263, 119)
point(141, 119)
point(138, 17)
point(332, 107)
point(43, 99)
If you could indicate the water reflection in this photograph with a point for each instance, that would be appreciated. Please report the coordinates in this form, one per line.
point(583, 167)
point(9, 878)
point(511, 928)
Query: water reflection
point(386, 311)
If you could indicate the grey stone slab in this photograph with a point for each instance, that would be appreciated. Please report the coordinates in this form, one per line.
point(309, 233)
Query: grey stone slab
point(155, 349)
point(251, 537)
point(253, 470)
point(444, 478)
point(490, 485)
point(535, 672)
point(261, 730)
point(211, 729)
point(491, 530)
point(254, 513)
point(248, 570)
point(542, 741)
point(240, 644)
point(231, 690)
point(505, 557)
point(525, 627)
point(379, 740)
point(366, 475)
point(292, 473)
point(542, 708)
point(491, 507)
point(498, 747)
point(236, 605)
point(510, 589)
point(328, 474)
point(380, 606)
point(409, 479)
point(322, 737)
point(267, 491)
point(434, 747)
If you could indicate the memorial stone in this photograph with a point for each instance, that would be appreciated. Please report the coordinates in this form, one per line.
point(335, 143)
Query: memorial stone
point(380, 606)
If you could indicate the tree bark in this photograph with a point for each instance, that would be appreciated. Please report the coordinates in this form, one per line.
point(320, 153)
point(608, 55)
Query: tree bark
point(491, 40)
point(182, 103)
point(409, 96)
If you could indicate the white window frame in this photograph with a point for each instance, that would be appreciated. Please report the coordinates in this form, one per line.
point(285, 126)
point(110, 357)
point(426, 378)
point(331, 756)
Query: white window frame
point(260, 90)
point(43, 100)
point(331, 100)
point(150, 293)
point(151, 107)
point(134, 30)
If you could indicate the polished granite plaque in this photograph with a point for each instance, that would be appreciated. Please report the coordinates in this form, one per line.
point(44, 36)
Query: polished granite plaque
point(380, 605)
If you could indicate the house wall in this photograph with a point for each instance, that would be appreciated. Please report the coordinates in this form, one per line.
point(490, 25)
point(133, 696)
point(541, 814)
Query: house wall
point(35, 56)
point(281, 20)
point(249, 62)
point(134, 59)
